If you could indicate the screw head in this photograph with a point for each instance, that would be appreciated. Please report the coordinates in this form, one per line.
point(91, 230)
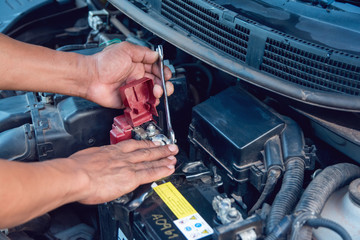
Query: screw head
point(91, 141)
point(150, 127)
point(233, 213)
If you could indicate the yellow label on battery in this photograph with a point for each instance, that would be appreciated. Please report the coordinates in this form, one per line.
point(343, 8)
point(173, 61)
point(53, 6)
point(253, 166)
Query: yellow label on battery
point(174, 200)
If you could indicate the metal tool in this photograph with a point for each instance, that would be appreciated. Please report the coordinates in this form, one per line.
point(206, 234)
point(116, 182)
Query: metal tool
point(170, 131)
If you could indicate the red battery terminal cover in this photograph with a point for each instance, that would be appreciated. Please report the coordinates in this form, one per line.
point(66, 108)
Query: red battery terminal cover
point(139, 101)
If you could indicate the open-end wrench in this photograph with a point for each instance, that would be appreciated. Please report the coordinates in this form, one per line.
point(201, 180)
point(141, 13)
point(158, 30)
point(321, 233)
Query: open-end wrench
point(170, 131)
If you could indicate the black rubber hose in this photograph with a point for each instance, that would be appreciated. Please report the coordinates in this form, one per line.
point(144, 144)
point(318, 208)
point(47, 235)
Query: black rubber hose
point(319, 190)
point(289, 193)
point(281, 229)
point(273, 162)
point(326, 223)
point(292, 142)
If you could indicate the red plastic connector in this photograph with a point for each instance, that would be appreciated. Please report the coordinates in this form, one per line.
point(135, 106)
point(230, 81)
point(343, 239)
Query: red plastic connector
point(139, 102)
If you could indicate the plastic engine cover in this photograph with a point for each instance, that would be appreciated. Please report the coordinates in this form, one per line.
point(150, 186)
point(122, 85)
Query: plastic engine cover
point(232, 128)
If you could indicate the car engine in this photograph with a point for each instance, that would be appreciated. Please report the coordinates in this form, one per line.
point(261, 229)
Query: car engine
point(265, 111)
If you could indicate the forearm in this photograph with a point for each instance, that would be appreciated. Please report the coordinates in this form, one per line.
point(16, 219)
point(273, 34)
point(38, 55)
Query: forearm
point(28, 190)
point(34, 68)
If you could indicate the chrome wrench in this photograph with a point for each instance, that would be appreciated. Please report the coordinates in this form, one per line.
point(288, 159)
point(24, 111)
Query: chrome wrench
point(170, 131)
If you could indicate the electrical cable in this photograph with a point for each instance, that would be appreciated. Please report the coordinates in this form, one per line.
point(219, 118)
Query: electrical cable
point(272, 178)
point(110, 42)
point(326, 223)
point(74, 47)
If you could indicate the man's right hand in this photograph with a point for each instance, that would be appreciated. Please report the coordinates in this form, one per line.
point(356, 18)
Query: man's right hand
point(114, 170)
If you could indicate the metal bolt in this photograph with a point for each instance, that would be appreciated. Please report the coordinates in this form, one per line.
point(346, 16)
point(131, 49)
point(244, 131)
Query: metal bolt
point(123, 199)
point(225, 204)
point(233, 213)
point(150, 127)
point(151, 130)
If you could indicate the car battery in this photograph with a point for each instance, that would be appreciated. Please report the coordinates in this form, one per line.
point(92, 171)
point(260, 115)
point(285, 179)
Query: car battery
point(172, 208)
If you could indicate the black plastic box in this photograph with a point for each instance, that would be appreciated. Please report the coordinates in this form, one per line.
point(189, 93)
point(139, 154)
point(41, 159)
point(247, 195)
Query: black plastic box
point(232, 128)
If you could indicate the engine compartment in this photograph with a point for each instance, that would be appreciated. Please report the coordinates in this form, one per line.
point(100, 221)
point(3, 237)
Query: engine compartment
point(253, 164)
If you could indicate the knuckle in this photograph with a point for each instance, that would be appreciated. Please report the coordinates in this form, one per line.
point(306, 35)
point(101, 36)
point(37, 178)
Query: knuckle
point(166, 150)
point(132, 168)
point(130, 141)
point(152, 171)
point(145, 165)
point(148, 143)
point(163, 162)
point(147, 153)
point(167, 162)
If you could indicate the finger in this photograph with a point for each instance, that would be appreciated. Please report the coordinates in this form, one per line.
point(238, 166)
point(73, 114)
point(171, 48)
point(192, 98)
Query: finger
point(167, 73)
point(165, 162)
point(149, 75)
point(158, 81)
point(131, 145)
point(152, 174)
point(148, 68)
point(158, 91)
point(151, 154)
point(169, 88)
point(139, 54)
point(155, 69)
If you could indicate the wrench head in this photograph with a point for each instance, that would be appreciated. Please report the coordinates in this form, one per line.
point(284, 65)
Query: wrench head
point(160, 50)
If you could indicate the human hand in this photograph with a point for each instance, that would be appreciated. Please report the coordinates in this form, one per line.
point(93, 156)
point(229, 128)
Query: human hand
point(119, 64)
point(115, 170)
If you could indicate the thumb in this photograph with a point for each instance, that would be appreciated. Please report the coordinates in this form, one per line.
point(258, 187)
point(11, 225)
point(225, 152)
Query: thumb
point(140, 54)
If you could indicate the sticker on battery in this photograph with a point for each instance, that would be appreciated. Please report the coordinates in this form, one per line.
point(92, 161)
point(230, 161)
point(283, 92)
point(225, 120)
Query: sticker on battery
point(189, 222)
point(121, 235)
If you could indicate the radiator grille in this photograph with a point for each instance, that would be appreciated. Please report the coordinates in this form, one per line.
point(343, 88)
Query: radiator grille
point(310, 70)
point(205, 25)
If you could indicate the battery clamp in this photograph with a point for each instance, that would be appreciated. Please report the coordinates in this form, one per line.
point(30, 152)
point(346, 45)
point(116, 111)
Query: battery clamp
point(137, 122)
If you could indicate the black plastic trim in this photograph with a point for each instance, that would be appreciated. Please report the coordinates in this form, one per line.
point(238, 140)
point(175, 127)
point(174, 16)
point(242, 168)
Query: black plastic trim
point(159, 26)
